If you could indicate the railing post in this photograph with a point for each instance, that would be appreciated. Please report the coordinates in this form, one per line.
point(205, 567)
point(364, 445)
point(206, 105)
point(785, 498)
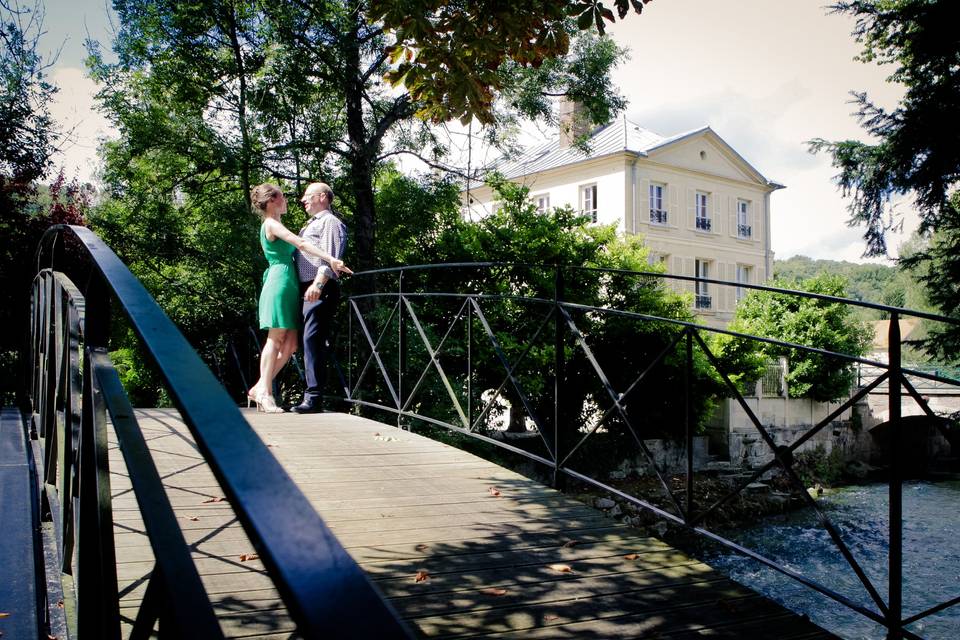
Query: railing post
point(895, 586)
point(469, 319)
point(401, 348)
point(560, 366)
point(688, 421)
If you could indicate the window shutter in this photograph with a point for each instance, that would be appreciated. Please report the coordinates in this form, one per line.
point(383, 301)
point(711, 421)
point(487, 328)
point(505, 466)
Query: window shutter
point(643, 203)
point(691, 208)
point(732, 216)
point(723, 273)
point(671, 200)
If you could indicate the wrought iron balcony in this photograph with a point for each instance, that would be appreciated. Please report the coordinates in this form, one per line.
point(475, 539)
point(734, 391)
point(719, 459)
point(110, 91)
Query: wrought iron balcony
point(703, 224)
point(703, 301)
point(658, 216)
point(744, 231)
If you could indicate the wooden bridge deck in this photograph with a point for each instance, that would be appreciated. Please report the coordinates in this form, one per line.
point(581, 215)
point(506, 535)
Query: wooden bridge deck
point(527, 563)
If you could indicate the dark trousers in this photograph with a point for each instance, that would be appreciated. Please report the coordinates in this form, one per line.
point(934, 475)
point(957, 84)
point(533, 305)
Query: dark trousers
point(317, 319)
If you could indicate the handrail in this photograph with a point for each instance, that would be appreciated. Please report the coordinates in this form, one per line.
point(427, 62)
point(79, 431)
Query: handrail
point(317, 579)
point(668, 276)
point(371, 384)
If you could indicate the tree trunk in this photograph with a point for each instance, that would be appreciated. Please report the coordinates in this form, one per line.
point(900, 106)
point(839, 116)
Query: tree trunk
point(242, 104)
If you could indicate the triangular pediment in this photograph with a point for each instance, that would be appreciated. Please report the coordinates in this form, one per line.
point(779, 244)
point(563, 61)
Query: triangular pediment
point(704, 151)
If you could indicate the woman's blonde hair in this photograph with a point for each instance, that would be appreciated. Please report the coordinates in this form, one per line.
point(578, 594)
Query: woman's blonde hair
point(261, 194)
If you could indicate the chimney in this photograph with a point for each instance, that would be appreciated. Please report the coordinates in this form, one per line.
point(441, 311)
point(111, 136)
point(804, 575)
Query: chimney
point(574, 121)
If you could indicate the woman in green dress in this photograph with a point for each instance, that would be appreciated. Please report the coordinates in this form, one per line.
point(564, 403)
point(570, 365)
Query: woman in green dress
point(279, 309)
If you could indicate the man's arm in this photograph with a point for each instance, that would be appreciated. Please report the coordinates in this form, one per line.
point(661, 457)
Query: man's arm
point(327, 236)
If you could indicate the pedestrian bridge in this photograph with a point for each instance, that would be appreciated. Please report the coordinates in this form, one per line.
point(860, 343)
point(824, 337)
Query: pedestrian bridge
point(209, 521)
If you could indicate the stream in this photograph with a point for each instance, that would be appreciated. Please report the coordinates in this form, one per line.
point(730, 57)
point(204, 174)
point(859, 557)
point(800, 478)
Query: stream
point(931, 549)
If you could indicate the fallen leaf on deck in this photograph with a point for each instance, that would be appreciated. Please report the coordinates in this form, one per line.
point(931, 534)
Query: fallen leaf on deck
point(632, 556)
point(561, 568)
point(550, 617)
point(4, 615)
point(422, 547)
point(192, 518)
point(494, 492)
point(422, 576)
point(246, 557)
point(570, 543)
point(494, 591)
point(218, 499)
point(59, 604)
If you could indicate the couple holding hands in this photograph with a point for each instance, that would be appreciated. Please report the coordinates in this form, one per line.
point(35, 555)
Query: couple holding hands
point(300, 287)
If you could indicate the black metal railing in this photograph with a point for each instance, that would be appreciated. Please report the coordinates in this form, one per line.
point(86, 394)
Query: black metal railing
point(658, 216)
point(703, 224)
point(446, 345)
point(703, 301)
point(77, 396)
point(744, 231)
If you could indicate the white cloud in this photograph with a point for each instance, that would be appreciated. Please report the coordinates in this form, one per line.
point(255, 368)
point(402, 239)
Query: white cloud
point(74, 109)
point(767, 77)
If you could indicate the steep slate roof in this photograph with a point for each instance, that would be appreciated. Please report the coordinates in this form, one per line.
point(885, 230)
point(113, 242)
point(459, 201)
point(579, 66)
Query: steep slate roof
point(619, 136)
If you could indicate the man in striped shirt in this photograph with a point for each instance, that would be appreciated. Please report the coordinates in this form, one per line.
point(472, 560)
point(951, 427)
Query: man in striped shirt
point(320, 288)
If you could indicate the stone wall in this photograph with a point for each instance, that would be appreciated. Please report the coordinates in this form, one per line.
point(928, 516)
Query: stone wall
point(786, 420)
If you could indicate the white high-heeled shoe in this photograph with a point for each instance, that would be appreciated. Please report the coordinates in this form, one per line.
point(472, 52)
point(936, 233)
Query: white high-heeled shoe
point(267, 404)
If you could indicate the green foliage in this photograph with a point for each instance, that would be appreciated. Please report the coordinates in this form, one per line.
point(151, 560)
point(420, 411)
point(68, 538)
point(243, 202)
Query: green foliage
point(141, 383)
point(447, 54)
point(876, 283)
point(532, 242)
point(412, 211)
point(27, 131)
point(915, 150)
point(816, 466)
point(211, 97)
point(28, 137)
point(936, 264)
point(830, 326)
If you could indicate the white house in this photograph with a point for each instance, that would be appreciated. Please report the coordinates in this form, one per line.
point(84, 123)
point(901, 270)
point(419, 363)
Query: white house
point(702, 209)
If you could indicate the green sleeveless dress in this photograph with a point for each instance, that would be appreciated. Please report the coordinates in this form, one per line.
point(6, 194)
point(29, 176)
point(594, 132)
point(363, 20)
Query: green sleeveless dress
point(280, 297)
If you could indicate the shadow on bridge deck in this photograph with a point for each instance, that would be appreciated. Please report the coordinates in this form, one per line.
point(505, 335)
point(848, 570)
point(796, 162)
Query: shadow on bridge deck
point(460, 546)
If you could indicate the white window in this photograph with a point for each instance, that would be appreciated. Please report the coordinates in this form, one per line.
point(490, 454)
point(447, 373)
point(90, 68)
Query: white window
point(743, 275)
point(658, 215)
point(542, 202)
point(702, 208)
point(703, 300)
point(588, 201)
point(743, 219)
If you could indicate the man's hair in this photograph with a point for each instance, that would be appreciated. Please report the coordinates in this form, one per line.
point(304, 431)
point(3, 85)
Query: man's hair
point(323, 187)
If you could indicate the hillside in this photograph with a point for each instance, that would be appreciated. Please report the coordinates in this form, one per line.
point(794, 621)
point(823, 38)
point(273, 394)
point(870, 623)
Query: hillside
point(868, 282)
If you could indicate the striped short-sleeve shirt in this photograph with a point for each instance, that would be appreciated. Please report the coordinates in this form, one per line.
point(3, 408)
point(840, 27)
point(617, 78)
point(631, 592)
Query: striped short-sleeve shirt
point(327, 232)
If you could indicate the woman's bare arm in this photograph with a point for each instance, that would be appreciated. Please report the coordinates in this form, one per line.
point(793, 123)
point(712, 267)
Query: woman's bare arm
point(276, 229)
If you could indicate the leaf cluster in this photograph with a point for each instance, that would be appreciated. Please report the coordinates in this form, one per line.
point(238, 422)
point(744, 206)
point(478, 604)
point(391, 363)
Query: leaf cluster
point(448, 52)
point(811, 322)
point(916, 150)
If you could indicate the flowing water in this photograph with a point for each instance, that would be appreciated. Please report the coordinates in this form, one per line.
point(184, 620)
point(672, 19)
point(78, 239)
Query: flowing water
point(931, 567)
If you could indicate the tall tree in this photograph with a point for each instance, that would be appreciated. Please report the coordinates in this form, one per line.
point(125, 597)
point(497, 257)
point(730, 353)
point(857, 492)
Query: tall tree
point(916, 151)
point(28, 137)
point(830, 326)
point(212, 96)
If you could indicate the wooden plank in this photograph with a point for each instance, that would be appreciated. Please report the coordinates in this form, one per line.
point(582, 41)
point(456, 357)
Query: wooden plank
point(20, 543)
point(493, 543)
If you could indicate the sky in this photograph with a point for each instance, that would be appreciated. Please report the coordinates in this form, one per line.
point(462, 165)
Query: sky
point(766, 75)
